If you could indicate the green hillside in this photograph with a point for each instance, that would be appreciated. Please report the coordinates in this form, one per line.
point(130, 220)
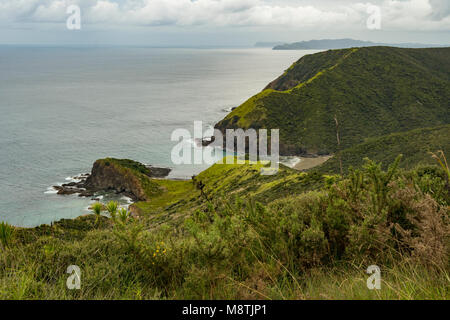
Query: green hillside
point(223, 243)
point(232, 233)
point(415, 146)
point(374, 91)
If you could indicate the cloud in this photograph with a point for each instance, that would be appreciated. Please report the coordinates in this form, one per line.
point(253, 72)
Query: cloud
point(396, 14)
point(16, 10)
point(50, 12)
point(419, 15)
point(441, 9)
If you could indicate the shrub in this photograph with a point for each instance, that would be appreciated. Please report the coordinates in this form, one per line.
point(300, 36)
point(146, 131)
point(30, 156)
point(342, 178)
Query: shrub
point(234, 248)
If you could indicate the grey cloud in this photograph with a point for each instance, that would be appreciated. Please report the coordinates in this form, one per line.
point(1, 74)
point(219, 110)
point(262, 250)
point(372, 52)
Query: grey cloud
point(441, 9)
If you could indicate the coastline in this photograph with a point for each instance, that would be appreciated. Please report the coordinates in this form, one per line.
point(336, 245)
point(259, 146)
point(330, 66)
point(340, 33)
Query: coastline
point(308, 163)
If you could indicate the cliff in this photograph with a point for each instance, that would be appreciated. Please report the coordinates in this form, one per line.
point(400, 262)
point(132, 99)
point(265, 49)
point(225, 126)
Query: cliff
point(122, 176)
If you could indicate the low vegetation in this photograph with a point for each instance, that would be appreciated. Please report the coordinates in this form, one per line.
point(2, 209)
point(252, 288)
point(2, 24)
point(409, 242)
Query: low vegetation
point(415, 145)
point(232, 233)
point(228, 239)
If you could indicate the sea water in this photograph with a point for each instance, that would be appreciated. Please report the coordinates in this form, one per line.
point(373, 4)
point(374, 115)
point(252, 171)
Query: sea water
point(63, 108)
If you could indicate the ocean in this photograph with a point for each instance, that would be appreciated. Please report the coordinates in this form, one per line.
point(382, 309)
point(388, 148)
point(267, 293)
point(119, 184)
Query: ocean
point(63, 108)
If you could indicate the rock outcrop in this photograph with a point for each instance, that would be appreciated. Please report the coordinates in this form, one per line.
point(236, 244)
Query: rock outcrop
point(158, 172)
point(123, 176)
point(107, 176)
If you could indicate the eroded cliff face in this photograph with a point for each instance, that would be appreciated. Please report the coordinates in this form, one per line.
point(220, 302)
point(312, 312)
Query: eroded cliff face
point(105, 176)
point(111, 175)
point(124, 176)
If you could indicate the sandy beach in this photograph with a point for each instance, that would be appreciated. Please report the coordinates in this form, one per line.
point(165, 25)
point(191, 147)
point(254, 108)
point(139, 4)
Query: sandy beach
point(308, 163)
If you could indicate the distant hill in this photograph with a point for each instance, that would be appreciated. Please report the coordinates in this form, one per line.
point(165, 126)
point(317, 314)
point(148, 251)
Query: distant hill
point(373, 91)
point(343, 44)
point(268, 44)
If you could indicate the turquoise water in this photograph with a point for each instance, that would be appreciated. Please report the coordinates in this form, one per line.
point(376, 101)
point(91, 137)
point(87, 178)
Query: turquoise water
point(63, 108)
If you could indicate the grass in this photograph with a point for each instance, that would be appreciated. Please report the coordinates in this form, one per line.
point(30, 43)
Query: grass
point(310, 237)
point(374, 91)
point(245, 180)
point(180, 198)
point(415, 145)
point(129, 164)
point(399, 282)
point(232, 233)
point(176, 198)
point(6, 234)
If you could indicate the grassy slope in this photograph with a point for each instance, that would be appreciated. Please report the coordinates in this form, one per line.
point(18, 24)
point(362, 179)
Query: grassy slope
point(245, 180)
point(414, 145)
point(374, 91)
point(232, 250)
point(181, 198)
point(297, 244)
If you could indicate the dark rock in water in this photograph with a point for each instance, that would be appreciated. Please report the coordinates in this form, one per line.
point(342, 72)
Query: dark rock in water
point(75, 187)
point(65, 190)
point(211, 141)
point(86, 193)
point(158, 172)
point(207, 141)
point(61, 190)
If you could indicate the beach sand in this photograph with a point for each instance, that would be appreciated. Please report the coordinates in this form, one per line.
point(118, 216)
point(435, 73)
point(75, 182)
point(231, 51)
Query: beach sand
point(308, 163)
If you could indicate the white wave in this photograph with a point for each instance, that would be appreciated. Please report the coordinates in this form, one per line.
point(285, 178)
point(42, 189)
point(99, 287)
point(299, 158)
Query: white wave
point(291, 162)
point(51, 190)
point(127, 199)
point(227, 109)
point(76, 178)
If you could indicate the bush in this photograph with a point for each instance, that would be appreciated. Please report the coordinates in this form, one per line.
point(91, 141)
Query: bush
point(233, 248)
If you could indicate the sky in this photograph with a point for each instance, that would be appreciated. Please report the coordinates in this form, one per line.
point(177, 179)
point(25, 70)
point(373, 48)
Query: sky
point(238, 23)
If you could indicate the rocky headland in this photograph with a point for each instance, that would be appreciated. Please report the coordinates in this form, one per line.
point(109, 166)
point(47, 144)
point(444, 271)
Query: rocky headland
point(121, 176)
